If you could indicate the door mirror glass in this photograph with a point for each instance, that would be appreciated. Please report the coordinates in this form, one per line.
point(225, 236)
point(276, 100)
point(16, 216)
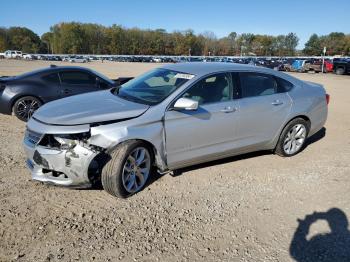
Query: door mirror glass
point(186, 104)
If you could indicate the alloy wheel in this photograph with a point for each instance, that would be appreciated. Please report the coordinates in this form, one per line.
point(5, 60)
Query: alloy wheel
point(136, 169)
point(26, 108)
point(294, 139)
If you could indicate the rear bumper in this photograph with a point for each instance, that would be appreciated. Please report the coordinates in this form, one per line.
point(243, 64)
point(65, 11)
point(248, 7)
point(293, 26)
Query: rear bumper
point(59, 167)
point(5, 102)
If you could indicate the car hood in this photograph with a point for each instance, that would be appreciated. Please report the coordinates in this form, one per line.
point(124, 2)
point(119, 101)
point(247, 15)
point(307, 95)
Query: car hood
point(88, 108)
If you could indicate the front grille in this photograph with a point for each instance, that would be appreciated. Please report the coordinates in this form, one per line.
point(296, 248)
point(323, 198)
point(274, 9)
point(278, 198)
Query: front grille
point(33, 137)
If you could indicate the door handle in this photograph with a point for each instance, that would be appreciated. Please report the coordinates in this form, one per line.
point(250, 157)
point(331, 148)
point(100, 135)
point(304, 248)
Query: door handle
point(228, 109)
point(277, 103)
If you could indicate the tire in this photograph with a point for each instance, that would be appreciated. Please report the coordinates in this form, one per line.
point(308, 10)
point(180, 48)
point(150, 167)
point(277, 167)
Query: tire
point(25, 107)
point(289, 134)
point(340, 71)
point(116, 177)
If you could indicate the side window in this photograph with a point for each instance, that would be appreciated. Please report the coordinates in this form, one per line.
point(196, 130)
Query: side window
point(283, 85)
point(255, 84)
point(77, 78)
point(215, 88)
point(103, 84)
point(51, 78)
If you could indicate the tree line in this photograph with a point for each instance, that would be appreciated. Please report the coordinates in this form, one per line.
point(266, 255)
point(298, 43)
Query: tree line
point(88, 38)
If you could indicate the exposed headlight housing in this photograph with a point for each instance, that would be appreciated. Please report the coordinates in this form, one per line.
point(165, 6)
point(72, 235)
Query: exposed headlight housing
point(64, 141)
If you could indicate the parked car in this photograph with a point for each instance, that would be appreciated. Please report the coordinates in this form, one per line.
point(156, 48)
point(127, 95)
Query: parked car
point(27, 56)
point(13, 54)
point(298, 65)
point(24, 94)
point(77, 59)
point(315, 65)
point(171, 117)
point(329, 65)
point(341, 66)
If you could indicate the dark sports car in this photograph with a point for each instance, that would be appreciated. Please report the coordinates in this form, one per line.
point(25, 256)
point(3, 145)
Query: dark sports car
point(24, 94)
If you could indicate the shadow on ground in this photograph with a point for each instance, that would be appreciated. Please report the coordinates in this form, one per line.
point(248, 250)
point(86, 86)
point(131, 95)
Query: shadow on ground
point(330, 247)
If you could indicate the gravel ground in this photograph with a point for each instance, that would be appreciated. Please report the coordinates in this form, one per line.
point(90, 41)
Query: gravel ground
point(238, 209)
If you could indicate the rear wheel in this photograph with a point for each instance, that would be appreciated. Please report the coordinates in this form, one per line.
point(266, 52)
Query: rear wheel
point(293, 138)
point(128, 169)
point(25, 107)
point(340, 71)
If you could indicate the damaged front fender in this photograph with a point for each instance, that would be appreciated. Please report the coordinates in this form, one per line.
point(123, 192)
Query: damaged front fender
point(110, 136)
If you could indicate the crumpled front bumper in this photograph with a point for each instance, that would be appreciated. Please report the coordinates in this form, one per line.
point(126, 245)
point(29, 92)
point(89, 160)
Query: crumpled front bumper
point(60, 167)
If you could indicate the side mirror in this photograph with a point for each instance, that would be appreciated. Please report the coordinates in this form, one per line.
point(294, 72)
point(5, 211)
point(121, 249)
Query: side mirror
point(186, 104)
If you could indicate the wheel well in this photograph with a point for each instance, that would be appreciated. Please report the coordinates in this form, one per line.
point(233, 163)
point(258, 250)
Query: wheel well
point(302, 117)
point(19, 97)
point(151, 147)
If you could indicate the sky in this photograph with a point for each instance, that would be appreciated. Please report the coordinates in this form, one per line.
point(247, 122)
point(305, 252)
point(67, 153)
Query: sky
point(272, 17)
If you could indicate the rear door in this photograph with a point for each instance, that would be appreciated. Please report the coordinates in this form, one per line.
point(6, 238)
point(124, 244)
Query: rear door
point(263, 109)
point(75, 82)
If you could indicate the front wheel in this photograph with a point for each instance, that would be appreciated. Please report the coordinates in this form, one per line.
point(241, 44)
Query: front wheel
point(25, 107)
point(293, 138)
point(128, 169)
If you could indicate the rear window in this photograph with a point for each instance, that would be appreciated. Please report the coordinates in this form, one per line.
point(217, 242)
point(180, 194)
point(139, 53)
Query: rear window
point(283, 85)
point(256, 84)
point(77, 78)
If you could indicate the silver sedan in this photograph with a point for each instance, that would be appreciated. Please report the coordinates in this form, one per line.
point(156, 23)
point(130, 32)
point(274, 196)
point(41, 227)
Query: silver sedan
point(169, 118)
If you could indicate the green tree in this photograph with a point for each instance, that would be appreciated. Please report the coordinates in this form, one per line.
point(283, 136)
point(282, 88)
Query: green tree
point(3, 39)
point(21, 38)
point(313, 46)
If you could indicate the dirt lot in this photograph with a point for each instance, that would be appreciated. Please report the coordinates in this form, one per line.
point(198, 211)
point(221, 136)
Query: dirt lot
point(238, 209)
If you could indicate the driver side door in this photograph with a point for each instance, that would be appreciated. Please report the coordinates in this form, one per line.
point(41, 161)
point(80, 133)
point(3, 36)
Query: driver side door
point(75, 82)
point(195, 136)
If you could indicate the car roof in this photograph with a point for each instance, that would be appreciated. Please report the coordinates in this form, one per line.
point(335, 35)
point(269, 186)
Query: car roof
point(53, 69)
point(200, 68)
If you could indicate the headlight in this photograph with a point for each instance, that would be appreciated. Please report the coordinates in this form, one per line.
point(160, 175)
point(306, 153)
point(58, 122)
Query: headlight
point(65, 141)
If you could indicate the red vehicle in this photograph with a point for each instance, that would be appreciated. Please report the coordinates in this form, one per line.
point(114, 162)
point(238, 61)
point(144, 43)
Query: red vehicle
point(329, 65)
point(316, 66)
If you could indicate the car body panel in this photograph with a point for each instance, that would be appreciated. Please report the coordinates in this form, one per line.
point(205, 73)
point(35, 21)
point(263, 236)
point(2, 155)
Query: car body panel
point(260, 119)
point(186, 143)
point(106, 107)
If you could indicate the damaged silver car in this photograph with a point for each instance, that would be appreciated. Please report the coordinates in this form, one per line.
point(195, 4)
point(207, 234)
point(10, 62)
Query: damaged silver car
point(171, 117)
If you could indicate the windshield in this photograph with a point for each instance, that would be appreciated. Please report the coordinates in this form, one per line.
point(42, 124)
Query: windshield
point(152, 87)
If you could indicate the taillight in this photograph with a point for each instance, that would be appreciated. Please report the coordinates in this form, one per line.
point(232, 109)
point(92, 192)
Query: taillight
point(327, 98)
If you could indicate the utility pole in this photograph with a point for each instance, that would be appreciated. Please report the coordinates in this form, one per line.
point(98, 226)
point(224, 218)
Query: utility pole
point(324, 53)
